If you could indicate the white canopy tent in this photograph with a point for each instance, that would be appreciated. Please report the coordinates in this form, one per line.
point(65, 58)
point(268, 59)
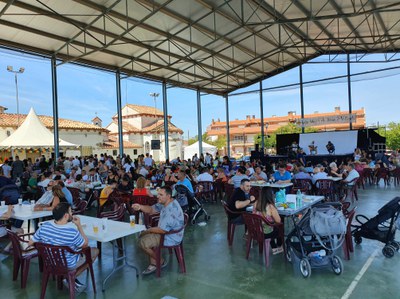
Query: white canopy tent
point(32, 133)
point(194, 149)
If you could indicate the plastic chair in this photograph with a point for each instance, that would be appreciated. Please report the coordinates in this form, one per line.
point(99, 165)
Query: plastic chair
point(352, 188)
point(231, 225)
point(255, 231)
point(229, 188)
point(177, 248)
point(143, 200)
point(348, 241)
point(80, 208)
point(55, 263)
point(219, 188)
point(22, 257)
point(304, 185)
point(76, 198)
point(382, 173)
point(206, 191)
point(324, 187)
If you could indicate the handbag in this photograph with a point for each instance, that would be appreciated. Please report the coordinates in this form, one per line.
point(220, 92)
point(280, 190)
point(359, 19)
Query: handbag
point(327, 221)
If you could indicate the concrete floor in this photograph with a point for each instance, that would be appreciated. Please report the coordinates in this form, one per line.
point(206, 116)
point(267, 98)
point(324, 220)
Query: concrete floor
point(216, 271)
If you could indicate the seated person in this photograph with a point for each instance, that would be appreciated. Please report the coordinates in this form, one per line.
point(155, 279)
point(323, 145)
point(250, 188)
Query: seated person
point(259, 175)
point(351, 174)
point(334, 170)
point(313, 148)
point(282, 176)
point(183, 180)
point(81, 185)
point(4, 180)
point(266, 208)
point(319, 174)
point(205, 176)
point(141, 188)
point(61, 232)
point(301, 174)
point(125, 185)
point(221, 175)
point(105, 193)
point(239, 200)
point(330, 147)
point(169, 177)
point(238, 177)
point(57, 197)
point(171, 218)
point(3, 232)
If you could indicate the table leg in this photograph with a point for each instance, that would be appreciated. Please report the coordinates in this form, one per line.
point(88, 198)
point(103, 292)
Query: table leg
point(116, 259)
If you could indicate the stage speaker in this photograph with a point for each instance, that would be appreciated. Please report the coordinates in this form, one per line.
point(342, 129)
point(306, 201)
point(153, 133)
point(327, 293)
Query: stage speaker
point(155, 145)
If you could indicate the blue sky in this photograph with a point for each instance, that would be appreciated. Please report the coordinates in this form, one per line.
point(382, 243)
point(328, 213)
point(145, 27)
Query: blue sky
point(83, 92)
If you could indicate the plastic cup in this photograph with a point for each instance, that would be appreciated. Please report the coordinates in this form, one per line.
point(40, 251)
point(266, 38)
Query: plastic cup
point(3, 203)
point(95, 228)
point(32, 204)
point(104, 224)
point(132, 220)
point(20, 201)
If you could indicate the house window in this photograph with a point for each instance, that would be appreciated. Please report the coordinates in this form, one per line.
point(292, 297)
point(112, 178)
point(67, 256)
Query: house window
point(135, 151)
point(8, 133)
point(115, 152)
point(147, 147)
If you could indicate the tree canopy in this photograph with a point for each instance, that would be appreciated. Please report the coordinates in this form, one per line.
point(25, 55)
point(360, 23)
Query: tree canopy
point(392, 134)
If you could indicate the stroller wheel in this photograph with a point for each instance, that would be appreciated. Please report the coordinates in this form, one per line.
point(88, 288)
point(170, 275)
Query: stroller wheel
point(357, 240)
point(207, 217)
point(395, 245)
point(337, 265)
point(388, 251)
point(194, 221)
point(289, 253)
point(305, 267)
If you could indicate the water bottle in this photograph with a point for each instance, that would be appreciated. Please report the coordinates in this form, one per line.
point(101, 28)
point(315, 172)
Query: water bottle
point(298, 198)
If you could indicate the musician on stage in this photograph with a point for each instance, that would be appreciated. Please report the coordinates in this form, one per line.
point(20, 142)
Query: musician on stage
point(330, 147)
point(313, 148)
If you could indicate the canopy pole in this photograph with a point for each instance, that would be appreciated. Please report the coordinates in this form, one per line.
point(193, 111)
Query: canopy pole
point(199, 129)
point(228, 139)
point(349, 90)
point(119, 112)
point(262, 117)
point(301, 95)
point(55, 107)
point(165, 110)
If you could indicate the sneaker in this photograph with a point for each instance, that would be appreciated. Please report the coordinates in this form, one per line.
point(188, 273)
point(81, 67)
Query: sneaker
point(277, 250)
point(79, 287)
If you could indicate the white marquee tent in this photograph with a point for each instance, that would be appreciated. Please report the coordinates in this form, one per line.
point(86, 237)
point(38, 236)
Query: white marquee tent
point(194, 149)
point(32, 133)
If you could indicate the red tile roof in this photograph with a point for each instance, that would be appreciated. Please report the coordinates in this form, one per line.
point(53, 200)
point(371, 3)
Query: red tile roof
point(11, 120)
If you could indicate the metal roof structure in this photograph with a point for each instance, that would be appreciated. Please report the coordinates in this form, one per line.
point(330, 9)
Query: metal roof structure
point(215, 46)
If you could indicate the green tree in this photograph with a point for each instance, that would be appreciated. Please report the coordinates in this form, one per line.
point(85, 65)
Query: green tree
point(291, 128)
point(392, 134)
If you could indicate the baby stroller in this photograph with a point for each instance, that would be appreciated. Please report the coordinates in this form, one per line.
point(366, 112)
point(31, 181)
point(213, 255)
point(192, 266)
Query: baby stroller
point(190, 204)
point(381, 227)
point(310, 245)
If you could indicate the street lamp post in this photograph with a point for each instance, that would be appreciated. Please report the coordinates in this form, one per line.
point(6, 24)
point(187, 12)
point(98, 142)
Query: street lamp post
point(20, 71)
point(155, 95)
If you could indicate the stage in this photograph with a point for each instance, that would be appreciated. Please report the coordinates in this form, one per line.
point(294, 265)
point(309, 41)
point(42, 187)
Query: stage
point(315, 159)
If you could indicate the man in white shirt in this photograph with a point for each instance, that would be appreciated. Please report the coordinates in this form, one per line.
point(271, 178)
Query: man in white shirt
point(76, 162)
point(352, 174)
point(6, 170)
point(205, 176)
point(143, 171)
point(318, 174)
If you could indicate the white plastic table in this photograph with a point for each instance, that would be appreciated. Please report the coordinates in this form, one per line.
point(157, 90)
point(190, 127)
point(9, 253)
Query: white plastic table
point(113, 230)
point(25, 212)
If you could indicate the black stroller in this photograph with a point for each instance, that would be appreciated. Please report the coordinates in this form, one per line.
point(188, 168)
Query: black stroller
point(306, 249)
point(381, 227)
point(190, 204)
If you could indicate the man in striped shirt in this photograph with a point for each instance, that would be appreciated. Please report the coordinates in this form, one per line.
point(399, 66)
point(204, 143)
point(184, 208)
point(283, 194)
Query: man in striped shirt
point(62, 232)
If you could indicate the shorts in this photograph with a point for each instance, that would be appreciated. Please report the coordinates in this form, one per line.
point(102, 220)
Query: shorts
point(149, 240)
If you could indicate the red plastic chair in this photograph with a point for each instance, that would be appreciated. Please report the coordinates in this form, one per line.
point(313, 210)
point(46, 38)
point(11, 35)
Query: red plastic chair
point(254, 224)
point(22, 257)
point(55, 263)
point(348, 241)
point(177, 248)
point(206, 190)
point(219, 188)
point(304, 185)
point(76, 199)
point(231, 226)
point(80, 208)
point(324, 187)
point(229, 188)
point(143, 200)
point(352, 188)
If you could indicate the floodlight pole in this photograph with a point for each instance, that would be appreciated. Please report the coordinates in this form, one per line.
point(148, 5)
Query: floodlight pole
point(165, 110)
point(262, 117)
point(55, 107)
point(301, 96)
point(20, 71)
point(119, 112)
point(349, 90)
point(228, 139)
point(199, 130)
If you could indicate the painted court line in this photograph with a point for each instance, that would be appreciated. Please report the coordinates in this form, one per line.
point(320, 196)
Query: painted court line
point(360, 274)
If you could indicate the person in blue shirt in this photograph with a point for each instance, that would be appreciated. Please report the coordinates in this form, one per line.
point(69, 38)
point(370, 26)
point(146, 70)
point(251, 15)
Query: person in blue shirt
point(282, 176)
point(183, 180)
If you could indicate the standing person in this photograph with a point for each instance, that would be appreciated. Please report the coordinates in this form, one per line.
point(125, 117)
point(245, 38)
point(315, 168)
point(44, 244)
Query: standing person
point(61, 232)
point(266, 208)
point(17, 168)
point(6, 169)
point(171, 218)
point(148, 162)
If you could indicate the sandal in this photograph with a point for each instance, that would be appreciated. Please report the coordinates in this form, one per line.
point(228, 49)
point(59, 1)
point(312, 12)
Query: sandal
point(150, 269)
point(164, 263)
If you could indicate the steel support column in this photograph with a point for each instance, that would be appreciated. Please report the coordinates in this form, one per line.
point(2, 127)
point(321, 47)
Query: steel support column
point(119, 113)
point(165, 109)
point(55, 107)
point(301, 94)
point(262, 117)
point(228, 139)
point(349, 90)
point(199, 128)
